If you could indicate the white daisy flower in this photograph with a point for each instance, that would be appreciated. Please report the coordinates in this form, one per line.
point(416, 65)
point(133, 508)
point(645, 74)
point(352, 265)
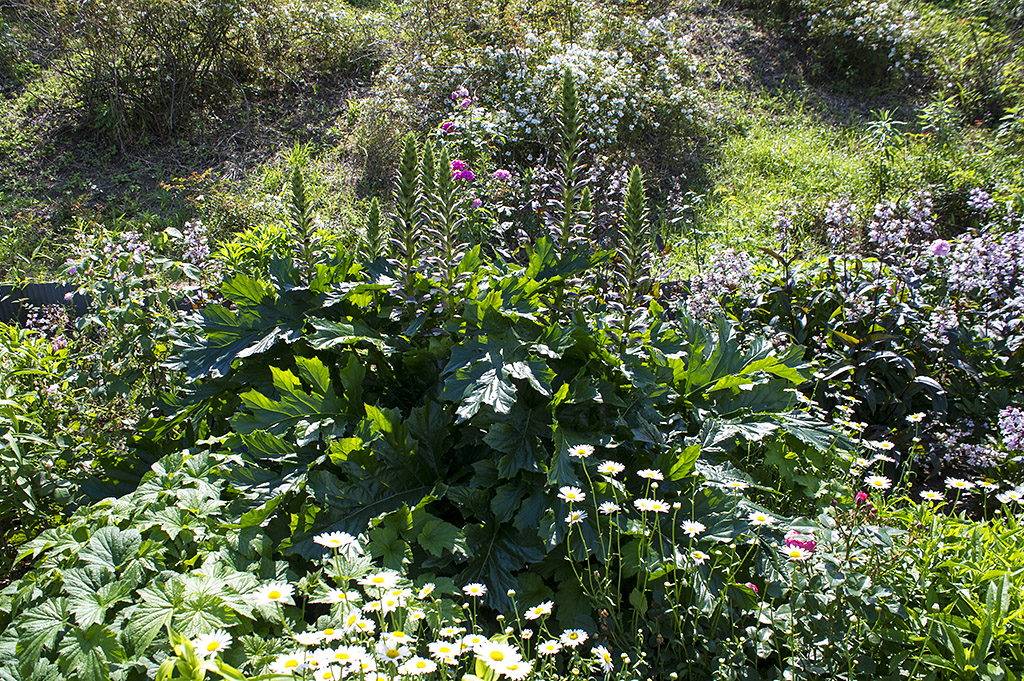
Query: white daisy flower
point(610, 468)
point(608, 507)
point(957, 483)
point(385, 579)
point(759, 519)
point(497, 655)
point(276, 592)
point(650, 474)
point(581, 451)
point(571, 494)
point(796, 553)
point(573, 638)
point(549, 647)
point(878, 482)
point(931, 495)
point(340, 541)
point(208, 645)
point(538, 611)
point(692, 528)
point(575, 517)
point(416, 666)
point(475, 590)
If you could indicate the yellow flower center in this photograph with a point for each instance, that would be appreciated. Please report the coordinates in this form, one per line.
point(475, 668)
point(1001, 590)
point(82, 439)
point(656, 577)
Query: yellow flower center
point(392, 653)
point(573, 636)
point(212, 646)
point(497, 655)
point(274, 595)
point(291, 663)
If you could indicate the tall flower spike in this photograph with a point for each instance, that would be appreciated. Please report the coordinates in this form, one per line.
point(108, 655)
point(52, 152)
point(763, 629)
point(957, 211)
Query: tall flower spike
point(569, 118)
point(428, 186)
point(302, 215)
point(405, 235)
point(633, 255)
point(446, 231)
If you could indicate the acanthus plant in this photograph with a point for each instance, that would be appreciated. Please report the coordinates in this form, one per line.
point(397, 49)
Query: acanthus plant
point(327, 408)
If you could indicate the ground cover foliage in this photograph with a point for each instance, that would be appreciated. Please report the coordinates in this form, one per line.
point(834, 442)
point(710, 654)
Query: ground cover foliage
point(491, 401)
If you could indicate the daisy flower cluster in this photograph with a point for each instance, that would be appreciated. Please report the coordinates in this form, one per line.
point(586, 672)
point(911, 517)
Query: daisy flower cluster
point(382, 626)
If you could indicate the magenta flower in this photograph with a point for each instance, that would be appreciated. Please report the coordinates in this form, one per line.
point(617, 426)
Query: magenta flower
point(68, 296)
point(447, 126)
point(459, 165)
point(752, 587)
point(466, 102)
point(502, 174)
point(861, 497)
point(460, 93)
point(476, 202)
point(466, 174)
point(794, 538)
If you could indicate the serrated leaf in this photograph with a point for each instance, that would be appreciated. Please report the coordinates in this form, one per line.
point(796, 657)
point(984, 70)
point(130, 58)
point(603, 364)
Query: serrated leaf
point(39, 627)
point(110, 547)
point(85, 655)
point(437, 536)
point(155, 611)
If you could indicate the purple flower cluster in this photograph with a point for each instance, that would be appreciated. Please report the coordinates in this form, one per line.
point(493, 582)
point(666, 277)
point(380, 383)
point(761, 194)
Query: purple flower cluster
point(728, 271)
point(841, 223)
point(462, 97)
point(461, 171)
point(1011, 428)
point(892, 233)
point(980, 200)
point(197, 246)
point(502, 175)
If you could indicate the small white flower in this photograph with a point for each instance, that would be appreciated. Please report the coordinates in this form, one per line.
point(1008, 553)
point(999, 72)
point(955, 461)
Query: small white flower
point(878, 482)
point(699, 557)
point(603, 658)
point(382, 580)
point(796, 553)
point(213, 643)
point(916, 418)
point(573, 638)
point(610, 468)
point(339, 540)
point(608, 507)
point(759, 519)
point(957, 483)
point(276, 592)
point(549, 647)
point(931, 495)
point(692, 528)
point(650, 474)
point(575, 517)
point(538, 611)
point(736, 484)
point(581, 451)
point(475, 590)
point(572, 494)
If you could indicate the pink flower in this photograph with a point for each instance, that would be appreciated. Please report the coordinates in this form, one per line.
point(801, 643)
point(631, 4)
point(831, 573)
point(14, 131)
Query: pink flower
point(458, 165)
point(476, 203)
point(939, 248)
point(460, 93)
point(861, 497)
point(752, 587)
point(463, 175)
point(447, 126)
point(502, 174)
point(68, 296)
point(794, 538)
point(466, 102)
